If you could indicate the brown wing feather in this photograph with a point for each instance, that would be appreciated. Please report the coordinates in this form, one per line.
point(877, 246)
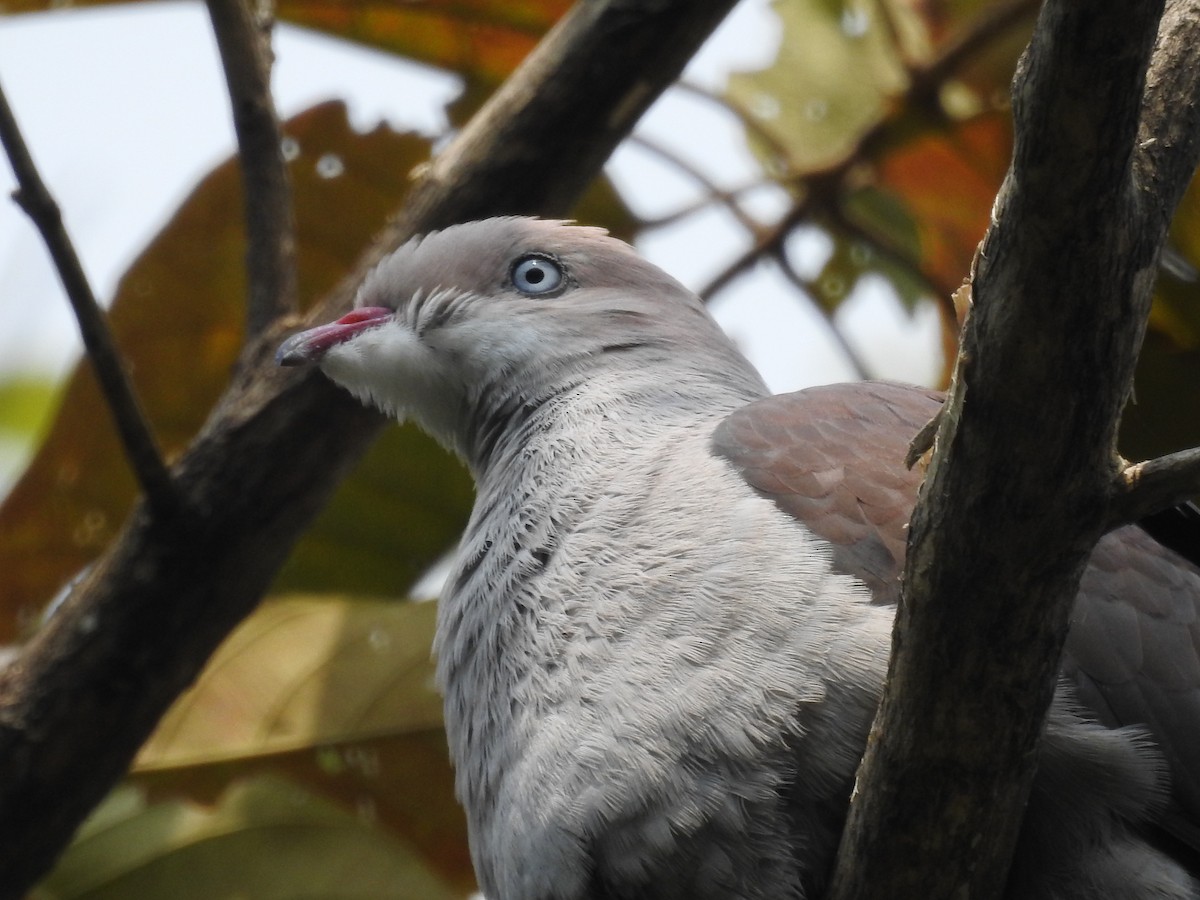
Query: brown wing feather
point(833, 458)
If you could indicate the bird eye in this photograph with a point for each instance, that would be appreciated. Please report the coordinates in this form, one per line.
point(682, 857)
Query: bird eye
point(537, 275)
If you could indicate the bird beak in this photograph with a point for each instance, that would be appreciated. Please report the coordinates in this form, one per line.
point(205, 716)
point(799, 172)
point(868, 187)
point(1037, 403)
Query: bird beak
point(310, 346)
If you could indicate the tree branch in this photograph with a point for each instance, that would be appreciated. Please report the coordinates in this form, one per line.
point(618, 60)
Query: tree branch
point(1145, 488)
point(861, 371)
point(818, 191)
point(90, 686)
point(141, 449)
point(245, 49)
point(1169, 133)
point(1061, 293)
point(713, 192)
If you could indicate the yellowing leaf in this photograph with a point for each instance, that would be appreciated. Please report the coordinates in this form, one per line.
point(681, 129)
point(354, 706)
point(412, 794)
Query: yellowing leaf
point(26, 405)
point(264, 838)
point(305, 672)
point(403, 783)
point(334, 694)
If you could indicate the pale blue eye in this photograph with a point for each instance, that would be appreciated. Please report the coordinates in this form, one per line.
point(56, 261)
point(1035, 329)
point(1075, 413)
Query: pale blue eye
point(537, 275)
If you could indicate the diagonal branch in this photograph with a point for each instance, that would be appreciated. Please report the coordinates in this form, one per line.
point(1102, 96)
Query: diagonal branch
point(245, 49)
point(90, 686)
point(727, 198)
point(861, 370)
point(1061, 293)
point(132, 426)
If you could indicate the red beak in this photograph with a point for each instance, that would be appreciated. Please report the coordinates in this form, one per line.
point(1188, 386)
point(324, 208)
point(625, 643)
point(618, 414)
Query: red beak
point(309, 346)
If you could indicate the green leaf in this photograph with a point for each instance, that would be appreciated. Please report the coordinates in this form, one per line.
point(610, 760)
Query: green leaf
point(805, 99)
point(26, 405)
point(264, 838)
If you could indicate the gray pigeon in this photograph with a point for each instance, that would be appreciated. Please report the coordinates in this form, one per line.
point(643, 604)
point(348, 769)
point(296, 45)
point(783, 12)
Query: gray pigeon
point(667, 627)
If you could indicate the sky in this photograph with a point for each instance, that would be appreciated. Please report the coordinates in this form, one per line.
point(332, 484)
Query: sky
point(124, 110)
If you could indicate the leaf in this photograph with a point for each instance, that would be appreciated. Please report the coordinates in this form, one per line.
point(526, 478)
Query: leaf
point(805, 100)
point(304, 672)
point(403, 784)
point(178, 319)
point(264, 838)
point(945, 180)
point(26, 404)
point(482, 40)
point(335, 694)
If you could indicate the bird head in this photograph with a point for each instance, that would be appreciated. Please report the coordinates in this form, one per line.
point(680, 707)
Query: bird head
point(508, 312)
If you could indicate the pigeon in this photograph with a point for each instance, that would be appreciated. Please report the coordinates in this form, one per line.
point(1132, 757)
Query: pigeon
point(667, 626)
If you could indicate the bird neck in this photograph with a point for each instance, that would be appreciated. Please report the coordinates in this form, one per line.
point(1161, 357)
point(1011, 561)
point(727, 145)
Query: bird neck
point(546, 462)
point(602, 402)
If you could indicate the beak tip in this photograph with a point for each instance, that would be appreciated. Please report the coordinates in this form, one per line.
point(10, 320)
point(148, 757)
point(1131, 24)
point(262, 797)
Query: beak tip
point(292, 352)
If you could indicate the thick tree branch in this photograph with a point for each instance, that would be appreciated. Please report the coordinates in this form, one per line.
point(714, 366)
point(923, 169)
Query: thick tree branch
point(134, 429)
point(245, 47)
point(89, 687)
point(1061, 293)
point(1169, 133)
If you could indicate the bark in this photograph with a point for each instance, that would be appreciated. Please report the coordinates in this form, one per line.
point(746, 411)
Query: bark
point(88, 689)
point(1061, 292)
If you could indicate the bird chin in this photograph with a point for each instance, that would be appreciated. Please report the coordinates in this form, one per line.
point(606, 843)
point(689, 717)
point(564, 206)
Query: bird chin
point(389, 369)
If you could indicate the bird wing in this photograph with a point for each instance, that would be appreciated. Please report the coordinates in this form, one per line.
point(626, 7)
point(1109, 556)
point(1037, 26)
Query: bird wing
point(833, 458)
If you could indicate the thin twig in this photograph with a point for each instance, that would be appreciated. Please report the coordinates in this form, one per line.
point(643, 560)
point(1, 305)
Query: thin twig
point(35, 199)
point(822, 188)
point(806, 289)
point(1145, 488)
point(736, 267)
point(779, 150)
point(888, 250)
point(766, 242)
point(965, 46)
point(244, 43)
point(726, 198)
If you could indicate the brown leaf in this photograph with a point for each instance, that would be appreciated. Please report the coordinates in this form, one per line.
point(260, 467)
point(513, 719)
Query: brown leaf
point(946, 179)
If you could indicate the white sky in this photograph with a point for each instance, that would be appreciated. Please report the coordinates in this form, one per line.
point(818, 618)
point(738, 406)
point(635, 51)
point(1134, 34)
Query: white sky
point(124, 110)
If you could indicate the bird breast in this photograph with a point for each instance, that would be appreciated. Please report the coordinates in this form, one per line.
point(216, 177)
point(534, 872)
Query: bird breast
point(622, 677)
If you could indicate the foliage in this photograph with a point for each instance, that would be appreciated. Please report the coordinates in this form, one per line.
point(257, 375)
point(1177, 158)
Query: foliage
point(311, 749)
